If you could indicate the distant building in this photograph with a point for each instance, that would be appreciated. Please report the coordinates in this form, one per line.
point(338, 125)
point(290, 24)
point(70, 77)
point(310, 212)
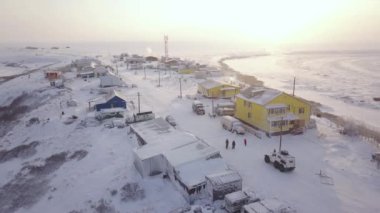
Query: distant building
point(216, 89)
point(87, 74)
point(85, 64)
point(186, 71)
point(55, 78)
point(53, 75)
point(110, 80)
point(151, 58)
point(135, 62)
point(113, 100)
point(100, 71)
point(269, 110)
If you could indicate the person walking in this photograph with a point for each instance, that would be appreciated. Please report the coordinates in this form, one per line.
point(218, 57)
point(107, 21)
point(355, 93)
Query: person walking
point(233, 144)
point(226, 143)
point(245, 142)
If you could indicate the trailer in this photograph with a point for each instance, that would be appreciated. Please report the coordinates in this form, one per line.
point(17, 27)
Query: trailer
point(139, 117)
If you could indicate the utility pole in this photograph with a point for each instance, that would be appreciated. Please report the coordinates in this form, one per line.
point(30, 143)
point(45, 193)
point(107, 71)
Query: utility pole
point(159, 78)
point(294, 84)
point(212, 104)
point(180, 87)
point(117, 70)
point(279, 150)
point(138, 100)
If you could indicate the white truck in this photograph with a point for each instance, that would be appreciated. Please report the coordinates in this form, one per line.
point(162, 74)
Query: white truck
point(232, 124)
point(282, 161)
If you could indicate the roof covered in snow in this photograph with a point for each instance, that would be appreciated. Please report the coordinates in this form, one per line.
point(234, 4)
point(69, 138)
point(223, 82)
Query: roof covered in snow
point(267, 206)
point(190, 152)
point(101, 69)
point(192, 158)
point(160, 137)
point(208, 84)
point(224, 177)
point(193, 173)
point(108, 97)
point(236, 196)
point(259, 96)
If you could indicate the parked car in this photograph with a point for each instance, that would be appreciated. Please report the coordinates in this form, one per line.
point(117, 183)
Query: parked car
point(170, 120)
point(232, 124)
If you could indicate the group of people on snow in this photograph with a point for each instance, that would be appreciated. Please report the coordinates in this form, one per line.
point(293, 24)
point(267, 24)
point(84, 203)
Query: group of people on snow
point(234, 143)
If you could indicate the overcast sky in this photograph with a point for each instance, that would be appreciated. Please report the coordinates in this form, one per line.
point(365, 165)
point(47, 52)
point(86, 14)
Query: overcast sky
point(269, 22)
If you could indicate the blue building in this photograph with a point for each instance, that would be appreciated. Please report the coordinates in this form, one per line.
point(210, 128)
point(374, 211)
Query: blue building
point(114, 100)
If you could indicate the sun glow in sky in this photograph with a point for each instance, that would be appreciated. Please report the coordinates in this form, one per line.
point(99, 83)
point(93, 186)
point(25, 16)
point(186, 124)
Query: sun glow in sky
point(255, 21)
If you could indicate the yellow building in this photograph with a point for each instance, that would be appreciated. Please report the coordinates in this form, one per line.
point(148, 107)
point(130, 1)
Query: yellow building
point(266, 109)
point(216, 89)
point(185, 71)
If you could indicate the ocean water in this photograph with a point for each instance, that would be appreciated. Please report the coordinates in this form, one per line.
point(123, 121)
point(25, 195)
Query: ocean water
point(343, 82)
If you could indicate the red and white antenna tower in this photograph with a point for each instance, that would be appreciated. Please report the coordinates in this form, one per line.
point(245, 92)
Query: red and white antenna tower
point(166, 38)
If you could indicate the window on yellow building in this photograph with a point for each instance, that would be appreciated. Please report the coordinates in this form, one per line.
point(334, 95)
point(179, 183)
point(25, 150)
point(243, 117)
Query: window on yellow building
point(249, 115)
point(278, 123)
point(277, 111)
point(301, 110)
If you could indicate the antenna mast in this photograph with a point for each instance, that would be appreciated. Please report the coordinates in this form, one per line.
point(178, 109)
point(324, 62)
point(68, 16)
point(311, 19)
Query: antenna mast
point(166, 39)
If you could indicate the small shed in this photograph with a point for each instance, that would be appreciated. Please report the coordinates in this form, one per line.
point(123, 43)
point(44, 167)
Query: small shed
point(113, 100)
point(53, 75)
point(220, 184)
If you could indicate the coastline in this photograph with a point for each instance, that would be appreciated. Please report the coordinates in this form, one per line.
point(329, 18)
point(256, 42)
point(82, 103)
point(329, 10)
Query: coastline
point(349, 127)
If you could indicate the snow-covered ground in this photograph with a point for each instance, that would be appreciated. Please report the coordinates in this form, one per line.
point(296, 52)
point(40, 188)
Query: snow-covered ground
point(344, 82)
point(86, 167)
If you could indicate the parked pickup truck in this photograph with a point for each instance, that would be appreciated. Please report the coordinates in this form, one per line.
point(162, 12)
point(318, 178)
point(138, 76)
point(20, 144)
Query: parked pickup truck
point(198, 108)
point(232, 124)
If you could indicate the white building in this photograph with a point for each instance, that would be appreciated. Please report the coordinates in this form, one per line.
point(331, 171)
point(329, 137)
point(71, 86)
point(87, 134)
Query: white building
point(110, 80)
point(181, 156)
point(100, 71)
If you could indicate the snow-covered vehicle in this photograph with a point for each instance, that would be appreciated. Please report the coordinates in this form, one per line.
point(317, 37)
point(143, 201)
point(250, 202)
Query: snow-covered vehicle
point(171, 120)
point(268, 206)
point(110, 113)
point(297, 131)
point(234, 201)
point(142, 116)
point(232, 124)
point(282, 161)
point(225, 111)
point(198, 108)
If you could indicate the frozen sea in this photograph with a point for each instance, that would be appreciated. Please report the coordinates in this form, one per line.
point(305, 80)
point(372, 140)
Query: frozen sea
point(345, 82)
